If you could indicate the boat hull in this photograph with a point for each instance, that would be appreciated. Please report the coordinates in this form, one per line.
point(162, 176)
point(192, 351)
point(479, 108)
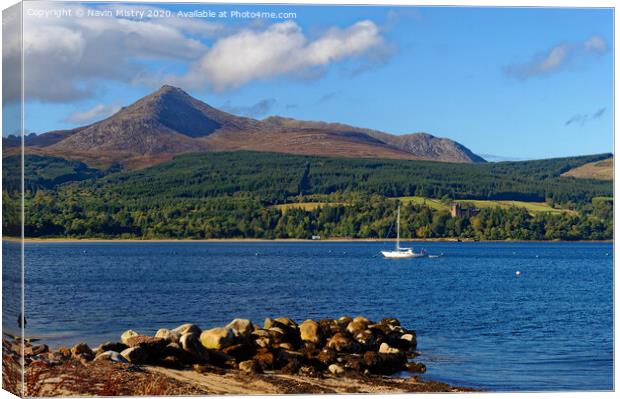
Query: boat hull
point(400, 254)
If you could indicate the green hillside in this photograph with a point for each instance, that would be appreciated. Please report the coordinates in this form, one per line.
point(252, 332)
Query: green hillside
point(245, 194)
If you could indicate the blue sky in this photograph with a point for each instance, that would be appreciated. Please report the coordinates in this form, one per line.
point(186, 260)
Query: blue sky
point(519, 83)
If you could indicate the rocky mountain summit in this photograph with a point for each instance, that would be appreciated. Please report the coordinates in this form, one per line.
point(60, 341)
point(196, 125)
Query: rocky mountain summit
point(170, 121)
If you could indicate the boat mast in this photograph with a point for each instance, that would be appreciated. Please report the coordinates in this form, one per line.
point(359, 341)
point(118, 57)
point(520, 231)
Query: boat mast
point(398, 228)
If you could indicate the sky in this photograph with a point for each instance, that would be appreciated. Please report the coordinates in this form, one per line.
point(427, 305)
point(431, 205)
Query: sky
point(508, 83)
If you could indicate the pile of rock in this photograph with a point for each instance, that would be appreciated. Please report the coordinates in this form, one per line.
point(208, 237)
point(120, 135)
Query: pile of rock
point(342, 346)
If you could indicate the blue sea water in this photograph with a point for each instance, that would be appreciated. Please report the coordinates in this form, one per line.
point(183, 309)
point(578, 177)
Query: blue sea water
point(478, 324)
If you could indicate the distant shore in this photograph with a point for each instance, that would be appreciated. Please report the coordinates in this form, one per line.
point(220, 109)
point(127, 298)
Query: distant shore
point(283, 240)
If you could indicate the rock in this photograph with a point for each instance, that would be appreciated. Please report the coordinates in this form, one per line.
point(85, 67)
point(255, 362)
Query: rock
point(175, 350)
point(385, 348)
point(416, 367)
point(241, 327)
point(64, 353)
point(366, 339)
point(292, 367)
point(286, 345)
point(111, 356)
point(344, 321)
point(168, 335)
point(128, 334)
point(327, 356)
point(39, 349)
point(286, 321)
point(250, 367)
point(261, 333)
point(82, 350)
point(240, 352)
point(111, 346)
point(390, 321)
point(187, 328)
point(357, 325)
point(411, 338)
point(265, 359)
point(172, 362)
point(310, 331)
point(408, 337)
point(382, 363)
point(268, 323)
point(263, 342)
point(191, 344)
point(153, 345)
point(341, 342)
point(135, 355)
point(336, 369)
point(217, 338)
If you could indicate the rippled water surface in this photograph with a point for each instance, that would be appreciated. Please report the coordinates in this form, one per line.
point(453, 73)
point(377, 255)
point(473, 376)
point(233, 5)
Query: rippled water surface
point(478, 324)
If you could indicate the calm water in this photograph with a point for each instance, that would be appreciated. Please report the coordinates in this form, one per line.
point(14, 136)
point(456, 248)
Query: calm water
point(478, 325)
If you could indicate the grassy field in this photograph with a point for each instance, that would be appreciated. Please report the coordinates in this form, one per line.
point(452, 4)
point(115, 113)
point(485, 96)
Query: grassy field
point(533, 207)
point(306, 206)
point(602, 170)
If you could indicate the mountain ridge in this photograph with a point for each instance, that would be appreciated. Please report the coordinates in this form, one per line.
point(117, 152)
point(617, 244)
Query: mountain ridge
point(170, 121)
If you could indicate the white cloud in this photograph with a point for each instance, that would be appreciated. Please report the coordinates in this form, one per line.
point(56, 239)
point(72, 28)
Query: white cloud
point(68, 59)
point(65, 58)
point(96, 113)
point(558, 58)
point(280, 49)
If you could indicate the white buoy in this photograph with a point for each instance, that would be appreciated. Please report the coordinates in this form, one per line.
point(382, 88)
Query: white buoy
point(518, 273)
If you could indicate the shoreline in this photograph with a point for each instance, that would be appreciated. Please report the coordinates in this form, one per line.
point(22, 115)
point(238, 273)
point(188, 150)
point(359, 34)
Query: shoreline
point(283, 240)
point(344, 355)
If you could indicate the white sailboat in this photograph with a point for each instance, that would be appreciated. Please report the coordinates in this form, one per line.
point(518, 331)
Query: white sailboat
point(401, 253)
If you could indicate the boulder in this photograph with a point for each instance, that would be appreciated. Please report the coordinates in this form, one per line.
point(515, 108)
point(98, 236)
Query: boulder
point(357, 325)
point(265, 359)
point(240, 352)
point(190, 343)
point(150, 344)
point(286, 321)
point(382, 363)
point(112, 356)
point(217, 338)
point(82, 350)
point(241, 327)
point(135, 355)
point(390, 321)
point(344, 321)
point(172, 362)
point(310, 331)
point(366, 338)
point(111, 346)
point(336, 369)
point(187, 328)
point(341, 342)
point(39, 349)
point(126, 335)
point(414, 367)
point(327, 356)
point(262, 342)
point(292, 367)
point(169, 335)
point(64, 353)
point(261, 333)
point(385, 348)
point(250, 367)
point(286, 345)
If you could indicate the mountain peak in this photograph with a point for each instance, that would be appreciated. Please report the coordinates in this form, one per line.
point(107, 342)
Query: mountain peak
point(170, 121)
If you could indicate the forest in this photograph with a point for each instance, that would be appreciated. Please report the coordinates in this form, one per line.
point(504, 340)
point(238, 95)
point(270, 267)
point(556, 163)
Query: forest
point(239, 195)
